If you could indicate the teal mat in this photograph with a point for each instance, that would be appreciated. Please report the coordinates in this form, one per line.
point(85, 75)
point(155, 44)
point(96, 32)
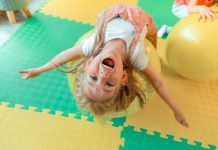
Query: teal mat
point(160, 10)
point(35, 43)
point(135, 140)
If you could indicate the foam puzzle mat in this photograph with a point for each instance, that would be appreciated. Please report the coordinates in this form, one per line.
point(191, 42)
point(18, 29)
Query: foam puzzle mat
point(32, 130)
point(41, 113)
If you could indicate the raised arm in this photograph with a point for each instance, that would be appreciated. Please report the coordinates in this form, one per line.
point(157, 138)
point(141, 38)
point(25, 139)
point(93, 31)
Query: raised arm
point(204, 11)
point(60, 59)
point(161, 88)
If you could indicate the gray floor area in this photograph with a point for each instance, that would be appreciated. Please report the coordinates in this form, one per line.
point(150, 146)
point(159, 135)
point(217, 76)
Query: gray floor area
point(7, 29)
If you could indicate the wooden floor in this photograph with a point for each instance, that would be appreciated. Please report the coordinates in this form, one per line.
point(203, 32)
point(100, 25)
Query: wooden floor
point(6, 29)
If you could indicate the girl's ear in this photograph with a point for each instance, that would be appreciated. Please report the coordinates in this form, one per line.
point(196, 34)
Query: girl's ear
point(87, 62)
point(125, 78)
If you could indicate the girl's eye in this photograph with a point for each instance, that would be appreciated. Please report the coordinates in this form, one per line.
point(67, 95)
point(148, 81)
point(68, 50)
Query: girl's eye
point(94, 78)
point(109, 84)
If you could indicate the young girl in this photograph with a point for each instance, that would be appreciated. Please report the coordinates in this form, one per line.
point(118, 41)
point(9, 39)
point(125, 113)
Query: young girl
point(181, 9)
point(105, 82)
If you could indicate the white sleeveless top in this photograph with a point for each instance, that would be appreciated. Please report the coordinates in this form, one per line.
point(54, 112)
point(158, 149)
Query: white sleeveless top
point(119, 28)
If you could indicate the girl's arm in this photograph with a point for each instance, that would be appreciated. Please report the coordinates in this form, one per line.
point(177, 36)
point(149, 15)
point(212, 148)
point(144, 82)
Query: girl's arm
point(60, 59)
point(161, 88)
point(204, 11)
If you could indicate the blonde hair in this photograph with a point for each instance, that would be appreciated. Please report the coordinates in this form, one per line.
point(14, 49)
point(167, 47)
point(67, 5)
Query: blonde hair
point(120, 101)
point(122, 97)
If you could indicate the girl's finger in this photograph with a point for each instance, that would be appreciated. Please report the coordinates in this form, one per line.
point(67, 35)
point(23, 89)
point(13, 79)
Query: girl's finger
point(25, 77)
point(212, 15)
point(204, 18)
point(199, 19)
point(185, 124)
point(214, 11)
point(23, 71)
point(209, 16)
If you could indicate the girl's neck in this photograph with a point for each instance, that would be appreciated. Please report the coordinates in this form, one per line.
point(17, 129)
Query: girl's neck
point(117, 45)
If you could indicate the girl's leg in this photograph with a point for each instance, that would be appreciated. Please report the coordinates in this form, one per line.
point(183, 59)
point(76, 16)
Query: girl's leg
point(163, 30)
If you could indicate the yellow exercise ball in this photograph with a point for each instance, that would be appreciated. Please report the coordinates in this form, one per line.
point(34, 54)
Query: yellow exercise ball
point(147, 88)
point(192, 48)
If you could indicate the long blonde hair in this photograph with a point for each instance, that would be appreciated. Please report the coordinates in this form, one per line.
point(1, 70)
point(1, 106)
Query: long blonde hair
point(123, 96)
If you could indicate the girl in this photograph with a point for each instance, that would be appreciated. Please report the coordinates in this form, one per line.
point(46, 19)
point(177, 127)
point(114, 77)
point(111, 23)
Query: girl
point(105, 81)
point(181, 9)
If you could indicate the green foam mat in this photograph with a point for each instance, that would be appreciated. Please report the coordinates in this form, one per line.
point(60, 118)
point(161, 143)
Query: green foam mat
point(35, 43)
point(160, 10)
point(135, 140)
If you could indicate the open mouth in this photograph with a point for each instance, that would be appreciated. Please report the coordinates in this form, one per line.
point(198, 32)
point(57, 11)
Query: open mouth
point(108, 63)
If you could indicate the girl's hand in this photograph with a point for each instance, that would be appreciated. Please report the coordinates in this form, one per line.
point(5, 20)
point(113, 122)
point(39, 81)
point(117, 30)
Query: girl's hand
point(30, 73)
point(206, 13)
point(181, 118)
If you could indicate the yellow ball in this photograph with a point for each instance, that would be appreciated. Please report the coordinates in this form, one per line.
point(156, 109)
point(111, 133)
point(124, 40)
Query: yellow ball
point(192, 48)
point(148, 89)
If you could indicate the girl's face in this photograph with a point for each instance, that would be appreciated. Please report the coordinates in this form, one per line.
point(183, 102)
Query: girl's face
point(104, 75)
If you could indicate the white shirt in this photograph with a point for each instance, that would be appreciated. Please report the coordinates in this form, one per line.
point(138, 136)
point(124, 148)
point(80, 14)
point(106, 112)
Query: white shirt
point(119, 28)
